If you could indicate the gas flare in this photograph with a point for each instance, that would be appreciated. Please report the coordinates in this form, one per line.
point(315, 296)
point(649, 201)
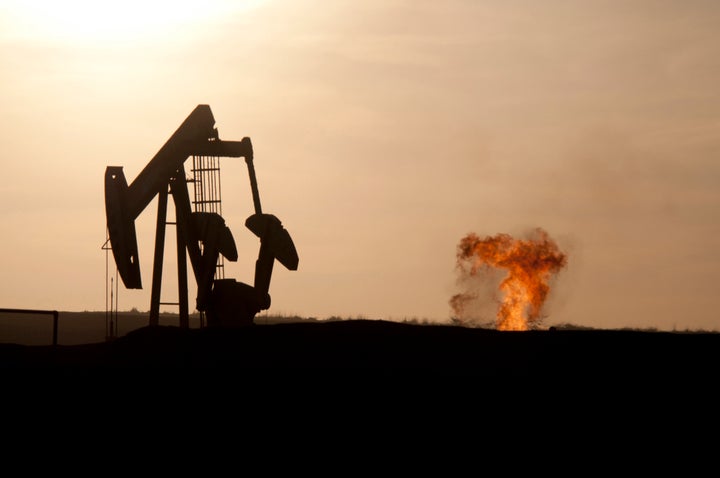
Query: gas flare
point(529, 264)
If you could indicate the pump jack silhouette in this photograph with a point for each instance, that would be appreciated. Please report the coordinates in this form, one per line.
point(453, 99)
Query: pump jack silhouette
point(204, 235)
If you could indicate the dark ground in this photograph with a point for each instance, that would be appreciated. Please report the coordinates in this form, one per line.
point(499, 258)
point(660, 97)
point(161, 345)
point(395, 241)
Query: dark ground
point(352, 347)
point(375, 384)
point(386, 379)
point(380, 386)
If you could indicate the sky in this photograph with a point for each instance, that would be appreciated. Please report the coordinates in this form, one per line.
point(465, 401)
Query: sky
point(384, 132)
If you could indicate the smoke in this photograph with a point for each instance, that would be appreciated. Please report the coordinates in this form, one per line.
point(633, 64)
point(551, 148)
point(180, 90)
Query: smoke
point(528, 266)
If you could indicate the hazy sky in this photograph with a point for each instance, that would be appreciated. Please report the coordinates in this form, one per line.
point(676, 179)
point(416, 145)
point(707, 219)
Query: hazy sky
point(384, 131)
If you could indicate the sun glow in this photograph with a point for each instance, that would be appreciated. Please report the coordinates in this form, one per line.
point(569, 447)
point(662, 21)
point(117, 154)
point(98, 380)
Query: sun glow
point(87, 21)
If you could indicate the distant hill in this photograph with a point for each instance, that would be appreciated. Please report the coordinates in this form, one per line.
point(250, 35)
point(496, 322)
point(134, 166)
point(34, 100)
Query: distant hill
point(75, 328)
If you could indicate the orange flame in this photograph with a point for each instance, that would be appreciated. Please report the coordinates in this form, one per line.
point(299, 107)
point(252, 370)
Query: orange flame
point(529, 263)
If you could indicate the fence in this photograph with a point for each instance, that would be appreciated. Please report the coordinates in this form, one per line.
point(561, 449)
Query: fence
point(54, 313)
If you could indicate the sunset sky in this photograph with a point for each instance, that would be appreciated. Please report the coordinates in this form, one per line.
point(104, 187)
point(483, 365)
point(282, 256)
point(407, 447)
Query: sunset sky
point(384, 131)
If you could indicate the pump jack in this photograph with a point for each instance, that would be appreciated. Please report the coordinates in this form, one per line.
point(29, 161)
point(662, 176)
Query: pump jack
point(203, 235)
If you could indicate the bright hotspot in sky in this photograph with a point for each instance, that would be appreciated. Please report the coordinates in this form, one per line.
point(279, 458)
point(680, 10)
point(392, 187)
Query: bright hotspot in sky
point(76, 21)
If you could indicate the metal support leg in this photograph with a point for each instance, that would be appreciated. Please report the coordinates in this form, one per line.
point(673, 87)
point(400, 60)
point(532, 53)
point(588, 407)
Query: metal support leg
point(158, 261)
point(182, 272)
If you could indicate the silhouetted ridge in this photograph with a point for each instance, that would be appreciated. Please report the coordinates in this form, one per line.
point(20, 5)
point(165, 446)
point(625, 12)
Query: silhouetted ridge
point(375, 346)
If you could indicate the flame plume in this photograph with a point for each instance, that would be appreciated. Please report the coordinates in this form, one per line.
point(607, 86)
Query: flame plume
point(530, 264)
